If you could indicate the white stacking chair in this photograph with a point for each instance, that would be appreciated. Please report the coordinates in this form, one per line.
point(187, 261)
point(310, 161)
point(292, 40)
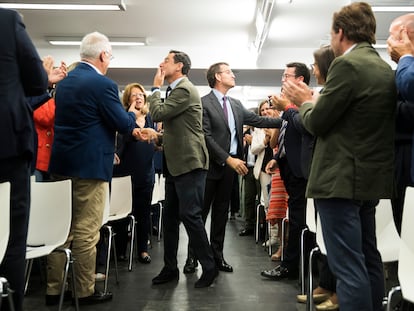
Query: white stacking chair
point(406, 253)
point(388, 239)
point(118, 206)
point(310, 228)
point(158, 196)
point(5, 291)
point(319, 249)
point(49, 226)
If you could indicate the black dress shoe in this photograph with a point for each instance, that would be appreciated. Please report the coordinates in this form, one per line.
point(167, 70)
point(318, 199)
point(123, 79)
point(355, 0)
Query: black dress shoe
point(52, 300)
point(144, 259)
point(166, 275)
point(190, 265)
point(246, 232)
point(222, 265)
point(96, 297)
point(279, 273)
point(206, 278)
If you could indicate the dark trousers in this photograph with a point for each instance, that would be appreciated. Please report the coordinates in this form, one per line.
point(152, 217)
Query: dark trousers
point(251, 198)
point(184, 196)
point(348, 229)
point(295, 187)
point(217, 196)
point(235, 195)
point(402, 180)
point(17, 172)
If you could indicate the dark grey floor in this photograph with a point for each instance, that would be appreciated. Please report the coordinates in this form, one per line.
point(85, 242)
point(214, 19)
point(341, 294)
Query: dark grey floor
point(244, 289)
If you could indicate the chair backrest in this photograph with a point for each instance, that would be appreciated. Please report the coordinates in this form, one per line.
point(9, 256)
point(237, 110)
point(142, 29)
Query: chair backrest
point(310, 215)
point(50, 213)
point(155, 191)
point(319, 235)
point(388, 240)
point(4, 217)
point(406, 256)
point(120, 202)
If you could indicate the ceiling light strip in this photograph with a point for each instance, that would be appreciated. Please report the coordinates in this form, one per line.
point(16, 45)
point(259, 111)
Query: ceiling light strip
point(393, 8)
point(73, 7)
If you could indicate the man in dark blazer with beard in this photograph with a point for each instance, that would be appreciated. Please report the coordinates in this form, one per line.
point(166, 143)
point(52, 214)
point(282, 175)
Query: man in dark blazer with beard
point(223, 132)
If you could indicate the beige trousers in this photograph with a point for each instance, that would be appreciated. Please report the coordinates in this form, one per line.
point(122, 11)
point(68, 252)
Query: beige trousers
point(88, 203)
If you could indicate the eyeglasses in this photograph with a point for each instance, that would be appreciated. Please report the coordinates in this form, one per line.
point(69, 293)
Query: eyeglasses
point(111, 57)
point(230, 72)
point(287, 75)
point(141, 95)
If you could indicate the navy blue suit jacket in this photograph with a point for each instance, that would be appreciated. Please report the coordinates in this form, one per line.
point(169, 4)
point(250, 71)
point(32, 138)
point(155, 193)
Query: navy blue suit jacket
point(88, 114)
point(298, 144)
point(21, 75)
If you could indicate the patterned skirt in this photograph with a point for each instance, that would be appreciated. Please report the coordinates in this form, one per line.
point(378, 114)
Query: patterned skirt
point(278, 203)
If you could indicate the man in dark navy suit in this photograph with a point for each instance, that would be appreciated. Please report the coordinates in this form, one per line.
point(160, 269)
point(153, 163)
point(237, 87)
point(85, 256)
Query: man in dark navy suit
point(21, 74)
point(290, 157)
point(88, 114)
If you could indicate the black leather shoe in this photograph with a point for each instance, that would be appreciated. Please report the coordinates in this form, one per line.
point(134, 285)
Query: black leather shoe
point(246, 232)
point(222, 265)
point(206, 278)
point(190, 265)
point(165, 276)
point(279, 273)
point(97, 297)
point(144, 259)
point(52, 300)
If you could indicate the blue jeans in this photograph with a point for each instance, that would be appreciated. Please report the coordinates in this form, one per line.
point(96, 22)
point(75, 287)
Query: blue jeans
point(348, 229)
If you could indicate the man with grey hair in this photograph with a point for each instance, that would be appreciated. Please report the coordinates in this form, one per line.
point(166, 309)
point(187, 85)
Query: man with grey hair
point(88, 114)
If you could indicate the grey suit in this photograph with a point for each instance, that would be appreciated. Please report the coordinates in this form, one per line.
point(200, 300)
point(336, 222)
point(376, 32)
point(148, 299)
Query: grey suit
point(220, 176)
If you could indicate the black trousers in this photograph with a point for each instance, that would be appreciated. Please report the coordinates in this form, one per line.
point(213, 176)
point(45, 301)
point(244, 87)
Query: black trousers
point(184, 196)
point(217, 196)
point(17, 172)
point(295, 187)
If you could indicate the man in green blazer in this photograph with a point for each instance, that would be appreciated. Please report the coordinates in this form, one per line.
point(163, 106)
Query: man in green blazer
point(186, 157)
point(352, 166)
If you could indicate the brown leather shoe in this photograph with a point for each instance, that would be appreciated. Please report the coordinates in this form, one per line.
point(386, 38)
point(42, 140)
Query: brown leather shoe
point(317, 298)
point(327, 305)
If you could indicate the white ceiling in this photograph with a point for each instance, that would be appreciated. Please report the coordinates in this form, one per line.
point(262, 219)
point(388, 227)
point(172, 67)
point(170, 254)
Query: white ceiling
point(208, 31)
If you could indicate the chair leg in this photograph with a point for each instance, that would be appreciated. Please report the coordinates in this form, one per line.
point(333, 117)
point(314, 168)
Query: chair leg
point(115, 257)
point(160, 220)
point(28, 271)
point(302, 260)
point(390, 295)
point(75, 293)
point(309, 300)
point(132, 243)
point(108, 257)
point(65, 276)
point(6, 291)
point(257, 223)
point(284, 221)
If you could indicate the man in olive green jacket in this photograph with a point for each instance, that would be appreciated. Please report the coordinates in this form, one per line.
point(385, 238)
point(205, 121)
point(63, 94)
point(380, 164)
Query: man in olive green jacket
point(186, 158)
point(352, 166)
